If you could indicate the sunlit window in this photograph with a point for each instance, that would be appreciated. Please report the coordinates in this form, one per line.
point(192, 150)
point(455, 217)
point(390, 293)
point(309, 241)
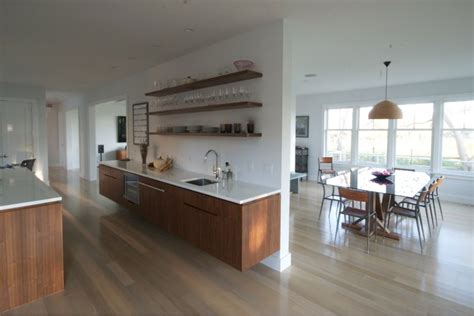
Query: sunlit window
point(339, 133)
point(458, 136)
point(413, 140)
point(372, 139)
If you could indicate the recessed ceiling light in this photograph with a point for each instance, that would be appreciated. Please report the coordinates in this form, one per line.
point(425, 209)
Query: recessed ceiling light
point(188, 30)
point(311, 75)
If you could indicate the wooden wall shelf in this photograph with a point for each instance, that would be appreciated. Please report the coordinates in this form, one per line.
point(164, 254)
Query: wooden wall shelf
point(209, 108)
point(208, 134)
point(206, 83)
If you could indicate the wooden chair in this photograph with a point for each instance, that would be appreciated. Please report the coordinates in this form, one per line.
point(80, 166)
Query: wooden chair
point(325, 166)
point(435, 195)
point(350, 196)
point(426, 203)
point(332, 196)
point(408, 212)
point(28, 163)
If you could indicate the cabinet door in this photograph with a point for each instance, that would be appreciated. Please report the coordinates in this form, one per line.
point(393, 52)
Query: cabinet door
point(189, 224)
point(149, 202)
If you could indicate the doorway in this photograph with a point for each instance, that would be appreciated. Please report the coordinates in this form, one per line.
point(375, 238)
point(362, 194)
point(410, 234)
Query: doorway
point(16, 131)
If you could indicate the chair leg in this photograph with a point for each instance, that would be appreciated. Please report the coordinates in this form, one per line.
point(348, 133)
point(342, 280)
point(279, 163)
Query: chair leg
point(427, 219)
point(330, 208)
point(440, 208)
point(431, 212)
point(321, 209)
point(419, 234)
point(337, 225)
point(421, 225)
point(434, 209)
point(368, 231)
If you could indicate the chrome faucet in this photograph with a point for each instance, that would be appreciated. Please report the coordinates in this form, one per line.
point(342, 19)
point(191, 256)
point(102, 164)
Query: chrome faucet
point(216, 169)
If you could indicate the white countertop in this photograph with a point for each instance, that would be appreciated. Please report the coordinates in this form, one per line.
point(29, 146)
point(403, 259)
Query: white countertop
point(233, 191)
point(19, 187)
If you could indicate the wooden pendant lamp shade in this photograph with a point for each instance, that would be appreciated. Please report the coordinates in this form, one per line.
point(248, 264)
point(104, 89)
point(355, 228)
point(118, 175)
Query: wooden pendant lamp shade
point(386, 109)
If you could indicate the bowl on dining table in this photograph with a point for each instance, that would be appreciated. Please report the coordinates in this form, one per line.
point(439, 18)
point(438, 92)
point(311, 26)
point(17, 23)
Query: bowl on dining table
point(382, 173)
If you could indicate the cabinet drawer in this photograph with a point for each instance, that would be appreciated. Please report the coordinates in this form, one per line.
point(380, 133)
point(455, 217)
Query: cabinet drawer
point(158, 186)
point(202, 202)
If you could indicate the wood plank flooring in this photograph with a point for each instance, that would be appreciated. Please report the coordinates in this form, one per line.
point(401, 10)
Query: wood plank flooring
point(117, 264)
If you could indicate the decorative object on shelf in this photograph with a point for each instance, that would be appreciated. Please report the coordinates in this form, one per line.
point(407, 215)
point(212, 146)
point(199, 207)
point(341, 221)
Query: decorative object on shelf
point(228, 128)
point(194, 128)
point(222, 128)
point(250, 127)
point(302, 126)
point(140, 123)
point(144, 152)
point(237, 128)
point(386, 109)
point(207, 83)
point(121, 129)
point(243, 64)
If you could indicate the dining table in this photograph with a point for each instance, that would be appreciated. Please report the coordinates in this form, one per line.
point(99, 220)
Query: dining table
point(381, 193)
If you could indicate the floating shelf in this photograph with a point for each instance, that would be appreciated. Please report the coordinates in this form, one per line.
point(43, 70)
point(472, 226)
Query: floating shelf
point(210, 108)
point(206, 83)
point(208, 134)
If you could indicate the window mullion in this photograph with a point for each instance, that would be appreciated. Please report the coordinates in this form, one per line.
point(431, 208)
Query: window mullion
point(437, 136)
point(391, 143)
point(355, 136)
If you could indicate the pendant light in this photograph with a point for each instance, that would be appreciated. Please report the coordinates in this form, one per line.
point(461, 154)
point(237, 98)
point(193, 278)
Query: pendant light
point(386, 109)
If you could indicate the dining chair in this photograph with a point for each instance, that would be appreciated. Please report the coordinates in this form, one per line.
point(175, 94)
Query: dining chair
point(325, 166)
point(409, 212)
point(28, 163)
point(328, 195)
point(435, 196)
point(426, 203)
point(349, 195)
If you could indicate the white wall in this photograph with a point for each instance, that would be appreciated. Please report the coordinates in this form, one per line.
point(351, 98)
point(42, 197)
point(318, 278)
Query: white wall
point(456, 189)
point(72, 139)
point(52, 119)
point(37, 96)
point(263, 160)
point(106, 127)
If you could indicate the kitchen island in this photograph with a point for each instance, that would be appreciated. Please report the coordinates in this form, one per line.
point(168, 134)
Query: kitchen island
point(31, 239)
point(237, 222)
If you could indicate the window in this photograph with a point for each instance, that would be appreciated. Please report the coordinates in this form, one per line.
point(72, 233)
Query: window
point(413, 135)
point(339, 133)
point(372, 139)
point(458, 136)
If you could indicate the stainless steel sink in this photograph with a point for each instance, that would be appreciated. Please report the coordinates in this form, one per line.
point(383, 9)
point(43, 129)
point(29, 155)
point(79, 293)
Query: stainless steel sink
point(201, 182)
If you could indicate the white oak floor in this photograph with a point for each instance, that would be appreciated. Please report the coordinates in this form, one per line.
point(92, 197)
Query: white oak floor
point(117, 264)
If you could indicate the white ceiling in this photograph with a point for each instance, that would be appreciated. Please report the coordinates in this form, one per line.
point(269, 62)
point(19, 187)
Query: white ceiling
point(75, 44)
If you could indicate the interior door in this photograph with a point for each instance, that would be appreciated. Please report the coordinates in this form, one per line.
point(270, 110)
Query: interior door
point(16, 131)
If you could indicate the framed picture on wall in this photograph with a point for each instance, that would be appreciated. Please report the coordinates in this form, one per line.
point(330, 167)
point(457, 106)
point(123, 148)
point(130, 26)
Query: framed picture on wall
point(302, 126)
point(121, 129)
point(140, 123)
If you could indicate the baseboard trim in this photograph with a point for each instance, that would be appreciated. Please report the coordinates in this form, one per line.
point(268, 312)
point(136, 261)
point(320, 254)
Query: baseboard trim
point(455, 198)
point(278, 263)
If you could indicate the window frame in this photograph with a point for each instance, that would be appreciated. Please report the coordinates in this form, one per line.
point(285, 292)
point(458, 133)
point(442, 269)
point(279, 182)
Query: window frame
point(438, 102)
point(325, 134)
point(441, 138)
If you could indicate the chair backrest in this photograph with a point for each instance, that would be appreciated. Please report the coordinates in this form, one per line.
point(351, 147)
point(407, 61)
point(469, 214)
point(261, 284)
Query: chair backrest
point(404, 169)
point(354, 195)
point(325, 160)
point(440, 180)
point(28, 163)
point(423, 194)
